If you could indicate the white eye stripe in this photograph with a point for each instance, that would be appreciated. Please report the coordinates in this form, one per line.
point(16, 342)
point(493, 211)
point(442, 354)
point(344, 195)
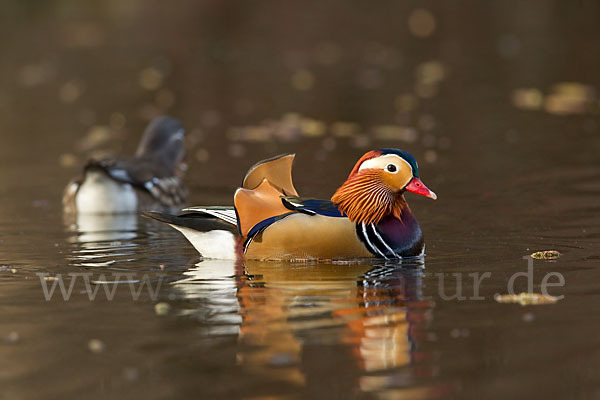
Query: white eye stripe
point(382, 162)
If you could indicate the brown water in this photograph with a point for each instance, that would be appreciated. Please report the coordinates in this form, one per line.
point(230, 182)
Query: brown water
point(473, 90)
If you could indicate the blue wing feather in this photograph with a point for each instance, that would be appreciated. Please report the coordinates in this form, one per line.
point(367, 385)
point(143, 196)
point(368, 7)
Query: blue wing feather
point(312, 206)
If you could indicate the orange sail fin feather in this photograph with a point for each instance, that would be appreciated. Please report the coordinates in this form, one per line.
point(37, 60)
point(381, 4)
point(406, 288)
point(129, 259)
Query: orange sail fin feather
point(259, 197)
point(277, 170)
point(256, 205)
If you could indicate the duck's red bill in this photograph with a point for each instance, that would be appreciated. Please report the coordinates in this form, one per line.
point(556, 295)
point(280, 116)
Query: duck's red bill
point(418, 187)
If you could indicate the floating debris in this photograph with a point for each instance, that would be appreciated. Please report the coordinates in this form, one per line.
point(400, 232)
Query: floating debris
point(564, 98)
point(528, 317)
point(457, 333)
point(509, 45)
point(97, 135)
point(150, 78)
point(202, 155)
point(71, 91)
point(525, 299)
point(344, 129)
point(569, 98)
point(430, 156)
point(421, 23)
point(12, 338)
point(162, 308)
point(36, 74)
point(164, 98)
point(82, 35)
point(210, 118)
point(527, 98)
point(431, 72)
point(395, 132)
point(9, 269)
point(313, 127)
point(369, 78)
point(426, 122)
point(303, 80)
point(327, 53)
point(67, 160)
point(96, 346)
point(361, 141)
point(131, 374)
point(117, 120)
point(281, 359)
point(545, 255)
point(236, 150)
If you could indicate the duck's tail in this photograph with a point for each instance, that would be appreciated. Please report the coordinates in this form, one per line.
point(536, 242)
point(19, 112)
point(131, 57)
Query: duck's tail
point(212, 236)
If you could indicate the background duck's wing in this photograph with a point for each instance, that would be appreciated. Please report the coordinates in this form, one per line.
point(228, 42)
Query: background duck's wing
point(144, 174)
point(277, 170)
point(312, 206)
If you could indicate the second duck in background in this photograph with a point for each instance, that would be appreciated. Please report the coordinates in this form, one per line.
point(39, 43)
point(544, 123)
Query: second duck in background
point(152, 178)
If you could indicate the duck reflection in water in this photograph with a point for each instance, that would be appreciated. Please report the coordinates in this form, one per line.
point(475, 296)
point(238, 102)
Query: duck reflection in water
point(349, 327)
point(101, 239)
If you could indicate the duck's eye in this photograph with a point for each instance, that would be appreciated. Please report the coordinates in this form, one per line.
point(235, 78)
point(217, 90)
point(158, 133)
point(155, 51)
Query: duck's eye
point(391, 168)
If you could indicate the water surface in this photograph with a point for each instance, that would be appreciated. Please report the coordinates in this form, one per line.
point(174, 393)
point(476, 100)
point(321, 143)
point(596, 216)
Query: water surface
point(498, 104)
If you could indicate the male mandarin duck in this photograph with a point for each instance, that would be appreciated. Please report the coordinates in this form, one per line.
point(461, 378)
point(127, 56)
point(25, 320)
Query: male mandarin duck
point(366, 217)
point(152, 178)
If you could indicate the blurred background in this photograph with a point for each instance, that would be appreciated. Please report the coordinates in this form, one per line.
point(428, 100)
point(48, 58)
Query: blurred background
point(486, 80)
point(497, 100)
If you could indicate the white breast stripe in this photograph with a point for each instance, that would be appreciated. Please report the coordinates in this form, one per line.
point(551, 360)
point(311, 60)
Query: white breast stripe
point(383, 241)
point(364, 231)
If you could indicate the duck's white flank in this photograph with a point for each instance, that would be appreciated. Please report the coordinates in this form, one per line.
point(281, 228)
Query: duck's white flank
point(217, 244)
point(100, 194)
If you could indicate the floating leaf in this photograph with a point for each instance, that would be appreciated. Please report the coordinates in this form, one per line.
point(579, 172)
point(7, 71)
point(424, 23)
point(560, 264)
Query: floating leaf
point(545, 255)
point(525, 299)
point(96, 346)
point(162, 308)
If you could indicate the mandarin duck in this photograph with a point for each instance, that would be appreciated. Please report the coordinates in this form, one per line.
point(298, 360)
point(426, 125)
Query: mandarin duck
point(150, 179)
point(366, 217)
